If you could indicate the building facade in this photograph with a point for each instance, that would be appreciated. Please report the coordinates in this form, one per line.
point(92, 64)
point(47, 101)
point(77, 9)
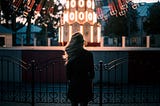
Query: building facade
point(79, 15)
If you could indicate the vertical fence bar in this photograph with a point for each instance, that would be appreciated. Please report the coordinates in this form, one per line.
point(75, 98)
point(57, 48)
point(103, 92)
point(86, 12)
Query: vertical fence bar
point(147, 41)
point(53, 68)
point(18, 69)
point(40, 85)
point(108, 83)
point(59, 85)
point(121, 83)
point(102, 42)
point(25, 82)
point(49, 41)
point(33, 80)
point(14, 82)
point(46, 82)
point(35, 41)
point(100, 85)
point(114, 83)
point(123, 41)
point(1, 78)
point(8, 73)
point(158, 91)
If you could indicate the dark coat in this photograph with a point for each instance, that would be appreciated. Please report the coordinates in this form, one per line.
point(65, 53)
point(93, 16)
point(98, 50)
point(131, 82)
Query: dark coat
point(80, 72)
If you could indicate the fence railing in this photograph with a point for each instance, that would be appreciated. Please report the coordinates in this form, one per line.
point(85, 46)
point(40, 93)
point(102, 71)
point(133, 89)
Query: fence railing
point(45, 82)
point(117, 90)
point(134, 41)
point(109, 41)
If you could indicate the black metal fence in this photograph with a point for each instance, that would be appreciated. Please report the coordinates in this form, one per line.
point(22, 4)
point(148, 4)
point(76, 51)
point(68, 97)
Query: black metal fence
point(116, 88)
point(45, 82)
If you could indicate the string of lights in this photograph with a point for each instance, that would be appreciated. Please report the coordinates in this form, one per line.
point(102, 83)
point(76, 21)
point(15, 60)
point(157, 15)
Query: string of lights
point(116, 8)
point(101, 13)
point(42, 12)
point(120, 7)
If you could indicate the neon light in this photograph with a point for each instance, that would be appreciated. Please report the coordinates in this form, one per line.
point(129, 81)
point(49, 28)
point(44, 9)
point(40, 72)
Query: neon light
point(94, 17)
point(62, 30)
point(89, 4)
point(71, 16)
point(81, 3)
point(98, 34)
point(81, 15)
point(93, 5)
point(86, 16)
point(59, 33)
point(67, 4)
point(90, 16)
point(73, 3)
point(65, 19)
point(76, 16)
point(147, 1)
point(70, 33)
point(81, 29)
point(91, 33)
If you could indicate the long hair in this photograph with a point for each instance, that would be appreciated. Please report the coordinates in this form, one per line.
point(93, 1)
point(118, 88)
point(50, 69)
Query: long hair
point(75, 46)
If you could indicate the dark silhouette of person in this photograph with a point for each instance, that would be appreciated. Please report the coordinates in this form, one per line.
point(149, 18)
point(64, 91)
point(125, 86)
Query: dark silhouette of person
point(79, 71)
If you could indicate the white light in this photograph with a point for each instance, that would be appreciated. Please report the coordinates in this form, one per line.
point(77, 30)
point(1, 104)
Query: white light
point(62, 28)
point(70, 32)
point(89, 4)
point(94, 17)
point(63, 2)
point(60, 7)
point(73, 3)
point(67, 4)
point(147, 1)
point(93, 5)
point(81, 15)
point(99, 34)
point(90, 16)
point(76, 16)
point(81, 3)
point(71, 16)
point(65, 17)
point(91, 34)
point(81, 29)
point(59, 38)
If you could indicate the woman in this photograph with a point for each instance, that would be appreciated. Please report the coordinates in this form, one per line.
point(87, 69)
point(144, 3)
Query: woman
point(80, 71)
